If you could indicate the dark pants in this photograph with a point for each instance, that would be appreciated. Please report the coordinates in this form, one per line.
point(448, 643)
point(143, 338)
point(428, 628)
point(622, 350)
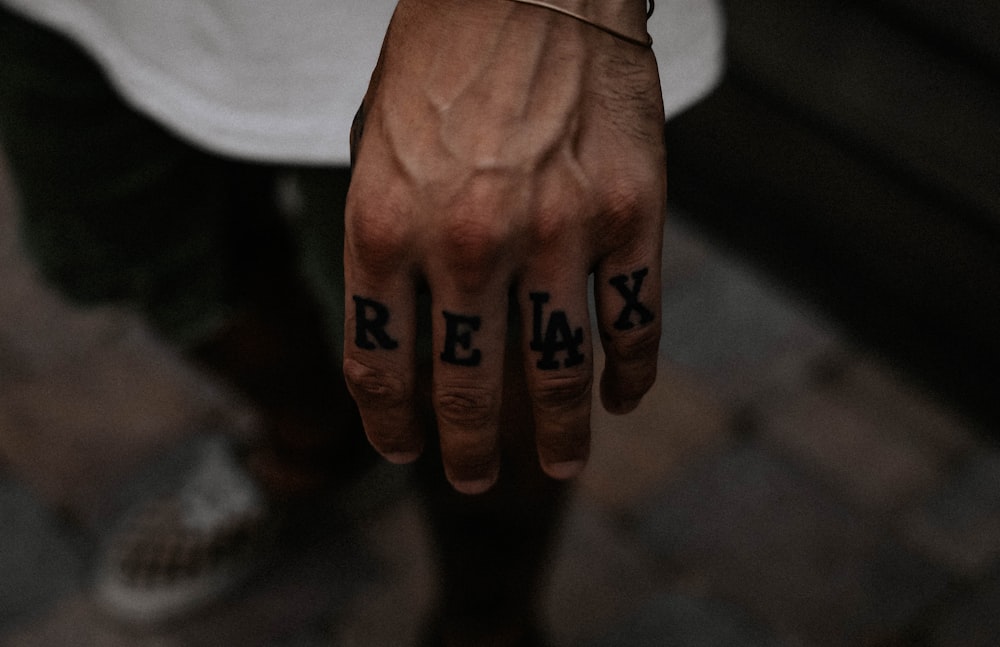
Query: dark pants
point(117, 209)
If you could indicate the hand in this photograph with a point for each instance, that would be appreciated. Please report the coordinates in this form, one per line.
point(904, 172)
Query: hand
point(503, 147)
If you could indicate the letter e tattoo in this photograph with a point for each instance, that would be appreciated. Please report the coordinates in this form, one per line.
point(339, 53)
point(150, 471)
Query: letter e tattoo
point(458, 334)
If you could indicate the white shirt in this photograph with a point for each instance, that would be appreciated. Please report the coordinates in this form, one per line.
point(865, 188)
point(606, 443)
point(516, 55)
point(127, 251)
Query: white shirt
point(281, 81)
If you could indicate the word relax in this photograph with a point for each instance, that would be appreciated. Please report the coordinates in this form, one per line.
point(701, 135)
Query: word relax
point(552, 335)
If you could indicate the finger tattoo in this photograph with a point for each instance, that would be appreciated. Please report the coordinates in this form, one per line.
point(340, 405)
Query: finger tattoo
point(458, 348)
point(557, 337)
point(632, 304)
point(371, 318)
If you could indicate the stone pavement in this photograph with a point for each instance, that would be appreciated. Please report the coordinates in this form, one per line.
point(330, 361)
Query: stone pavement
point(778, 487)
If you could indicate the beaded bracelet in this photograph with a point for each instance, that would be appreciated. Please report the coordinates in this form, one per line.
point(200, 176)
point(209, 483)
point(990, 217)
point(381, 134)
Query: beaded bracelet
point(647, 41)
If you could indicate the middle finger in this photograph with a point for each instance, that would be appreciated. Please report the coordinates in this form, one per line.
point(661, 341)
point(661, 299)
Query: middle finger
point(469, 329)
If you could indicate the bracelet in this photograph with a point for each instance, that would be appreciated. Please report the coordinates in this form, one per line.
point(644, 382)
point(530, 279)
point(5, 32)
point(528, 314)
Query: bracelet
point(642, 42)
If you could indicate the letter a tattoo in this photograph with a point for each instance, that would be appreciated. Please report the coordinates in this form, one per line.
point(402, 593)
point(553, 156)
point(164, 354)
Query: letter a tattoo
point(558, 336)
point(372, 327)
point(632, 303)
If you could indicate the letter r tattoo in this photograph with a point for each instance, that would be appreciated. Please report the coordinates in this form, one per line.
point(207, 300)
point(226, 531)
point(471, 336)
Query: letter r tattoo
point(632, 303)
point(369, 328)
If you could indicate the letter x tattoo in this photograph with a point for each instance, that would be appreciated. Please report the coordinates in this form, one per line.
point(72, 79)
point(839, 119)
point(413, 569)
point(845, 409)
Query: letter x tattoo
point(632, 303)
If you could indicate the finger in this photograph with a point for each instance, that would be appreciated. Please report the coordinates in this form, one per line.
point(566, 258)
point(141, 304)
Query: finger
point(559, 366)
point(380, 358)
point(469, 333)
point(627, 293)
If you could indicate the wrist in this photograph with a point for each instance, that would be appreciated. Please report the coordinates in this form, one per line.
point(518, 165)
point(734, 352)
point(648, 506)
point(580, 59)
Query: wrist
point(624, 19)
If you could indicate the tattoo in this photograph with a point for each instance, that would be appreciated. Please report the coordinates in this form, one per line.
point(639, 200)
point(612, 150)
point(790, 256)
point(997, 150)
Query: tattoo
point(369, 328)
point(558, 336)
point(458, 334)
point(632, 303)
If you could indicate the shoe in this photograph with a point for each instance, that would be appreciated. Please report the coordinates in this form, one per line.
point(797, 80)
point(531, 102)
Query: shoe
point(183, 549)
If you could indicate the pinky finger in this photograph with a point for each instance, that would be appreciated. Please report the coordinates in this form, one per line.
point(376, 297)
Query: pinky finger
point(628, 309)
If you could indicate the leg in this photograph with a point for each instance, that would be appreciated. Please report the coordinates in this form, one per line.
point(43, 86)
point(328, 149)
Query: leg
point(493, 550)
point(116, 209)
point(281, 348)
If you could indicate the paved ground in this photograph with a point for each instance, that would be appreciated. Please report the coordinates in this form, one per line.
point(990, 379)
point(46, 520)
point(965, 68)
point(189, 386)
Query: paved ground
point(778, 487)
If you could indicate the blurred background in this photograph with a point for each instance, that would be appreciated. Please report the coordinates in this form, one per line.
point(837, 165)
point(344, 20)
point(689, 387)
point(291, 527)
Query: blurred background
point(854, 150)
point(817, 465)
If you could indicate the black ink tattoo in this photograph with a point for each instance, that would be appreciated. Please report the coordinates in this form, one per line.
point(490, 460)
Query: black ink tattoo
point(558, 336)
point(458, 334)
point(370, 330)
point(632, 303)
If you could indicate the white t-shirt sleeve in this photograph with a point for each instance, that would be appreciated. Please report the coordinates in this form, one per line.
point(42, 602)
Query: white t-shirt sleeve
point(281, 81)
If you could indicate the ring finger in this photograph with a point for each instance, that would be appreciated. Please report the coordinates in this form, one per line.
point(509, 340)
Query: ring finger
point(559, 364)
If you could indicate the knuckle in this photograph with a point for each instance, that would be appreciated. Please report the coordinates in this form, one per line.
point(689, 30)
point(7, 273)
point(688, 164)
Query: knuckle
point(378, 236)
point(563, 392)
point(466, 406)
point(626, 209)
point(549, 226)
point(622, 212)
point(374, 387)
point(624, 200)
point(473, 242)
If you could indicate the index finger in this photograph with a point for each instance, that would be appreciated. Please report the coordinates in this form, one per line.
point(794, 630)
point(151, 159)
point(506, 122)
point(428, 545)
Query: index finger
point(380, 358)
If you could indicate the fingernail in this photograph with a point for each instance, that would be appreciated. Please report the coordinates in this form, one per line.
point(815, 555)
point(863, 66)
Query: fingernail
point(621, 407)
point(474, 487)
point(564, 470)
point(401, 458)
point(611, 400)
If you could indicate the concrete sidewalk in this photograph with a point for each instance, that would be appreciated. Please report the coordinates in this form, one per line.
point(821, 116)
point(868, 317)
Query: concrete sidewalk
point(778, 487)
